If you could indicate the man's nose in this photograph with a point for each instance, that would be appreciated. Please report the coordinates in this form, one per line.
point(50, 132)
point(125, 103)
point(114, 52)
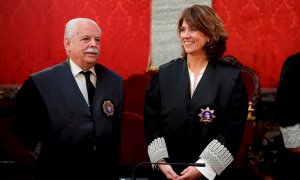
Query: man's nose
point(94, 42)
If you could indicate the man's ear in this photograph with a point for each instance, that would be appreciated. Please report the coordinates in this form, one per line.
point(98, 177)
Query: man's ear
point(67, 45)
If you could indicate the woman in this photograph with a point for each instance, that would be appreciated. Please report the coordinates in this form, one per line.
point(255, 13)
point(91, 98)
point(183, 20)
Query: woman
point(196, 105)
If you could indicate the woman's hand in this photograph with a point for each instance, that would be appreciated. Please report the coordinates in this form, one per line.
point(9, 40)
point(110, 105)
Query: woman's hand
point(167, 170)
point(190, 173)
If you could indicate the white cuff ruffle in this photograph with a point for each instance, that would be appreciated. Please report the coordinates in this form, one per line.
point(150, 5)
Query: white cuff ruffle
point(291, 136)
point(217, 156)
point(157, 150)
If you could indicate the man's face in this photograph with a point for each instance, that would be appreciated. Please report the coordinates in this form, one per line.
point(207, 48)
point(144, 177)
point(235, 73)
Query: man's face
point(84, 47)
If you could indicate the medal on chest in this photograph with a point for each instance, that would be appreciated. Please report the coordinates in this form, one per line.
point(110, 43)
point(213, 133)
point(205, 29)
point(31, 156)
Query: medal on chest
point(206, 115)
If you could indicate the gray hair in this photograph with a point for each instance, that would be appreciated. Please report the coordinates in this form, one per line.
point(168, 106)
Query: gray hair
point(70, 29)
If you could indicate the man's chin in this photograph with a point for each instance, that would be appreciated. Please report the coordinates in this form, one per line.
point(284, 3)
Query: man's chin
point(92, 58)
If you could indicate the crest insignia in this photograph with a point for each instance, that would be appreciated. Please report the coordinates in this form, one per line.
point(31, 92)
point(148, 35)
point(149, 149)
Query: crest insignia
point(108, 107)
point(206, 115)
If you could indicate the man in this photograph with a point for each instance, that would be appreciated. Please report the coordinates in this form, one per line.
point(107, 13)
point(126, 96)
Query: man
point(76, 116)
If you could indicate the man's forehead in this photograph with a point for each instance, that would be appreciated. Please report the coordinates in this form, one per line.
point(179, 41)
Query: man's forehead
point(87, 27)
point(88, 33)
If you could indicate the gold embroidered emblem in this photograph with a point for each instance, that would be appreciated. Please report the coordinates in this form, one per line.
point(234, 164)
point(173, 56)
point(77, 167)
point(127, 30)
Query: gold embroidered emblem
point(206, 115)
point(108, 108)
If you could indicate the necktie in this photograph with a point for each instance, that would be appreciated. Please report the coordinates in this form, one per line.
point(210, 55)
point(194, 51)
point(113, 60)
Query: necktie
point(89, 86)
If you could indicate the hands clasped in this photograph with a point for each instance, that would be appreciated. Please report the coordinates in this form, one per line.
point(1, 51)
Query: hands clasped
point(189, 173)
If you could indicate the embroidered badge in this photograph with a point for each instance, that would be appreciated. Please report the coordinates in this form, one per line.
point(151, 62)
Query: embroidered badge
point(108, 108)
point(206, 115)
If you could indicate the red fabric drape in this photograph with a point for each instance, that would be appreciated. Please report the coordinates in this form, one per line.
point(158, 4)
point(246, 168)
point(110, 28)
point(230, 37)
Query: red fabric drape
point(31, 34)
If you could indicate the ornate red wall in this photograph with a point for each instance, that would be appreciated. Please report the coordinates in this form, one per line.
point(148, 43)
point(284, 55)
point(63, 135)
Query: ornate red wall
point(31, 34)
point(261, 34)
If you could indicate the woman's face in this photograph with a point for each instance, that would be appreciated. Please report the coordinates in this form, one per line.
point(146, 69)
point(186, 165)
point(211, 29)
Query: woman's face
point(192, 39)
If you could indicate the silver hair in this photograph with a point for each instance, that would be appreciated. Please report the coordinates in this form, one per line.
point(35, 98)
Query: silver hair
point(70, 29)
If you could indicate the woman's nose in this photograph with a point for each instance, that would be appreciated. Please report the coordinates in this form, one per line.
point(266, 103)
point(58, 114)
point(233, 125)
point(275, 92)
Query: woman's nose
point(186, 34)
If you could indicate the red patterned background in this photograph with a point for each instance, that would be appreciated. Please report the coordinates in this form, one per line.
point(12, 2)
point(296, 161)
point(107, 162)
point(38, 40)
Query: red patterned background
point(31, 33)
point(261, 34)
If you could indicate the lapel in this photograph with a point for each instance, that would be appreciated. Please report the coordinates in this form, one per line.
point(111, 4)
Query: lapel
point(72, 86)
point(99, 91)
point(205, 90)
point(183, 81)
point(175, 86)
point(99, 74)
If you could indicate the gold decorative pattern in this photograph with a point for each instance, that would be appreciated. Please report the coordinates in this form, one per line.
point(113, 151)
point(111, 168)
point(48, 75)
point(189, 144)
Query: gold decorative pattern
point(250, 116)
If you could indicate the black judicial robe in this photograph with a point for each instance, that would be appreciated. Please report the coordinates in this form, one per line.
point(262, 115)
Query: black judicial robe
point(76, 142)
point(288, 92)
point(287, 108)
point(170, 112)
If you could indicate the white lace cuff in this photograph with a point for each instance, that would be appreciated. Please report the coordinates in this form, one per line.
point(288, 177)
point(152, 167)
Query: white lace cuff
point(217, 156)
point(157, 150)
point(207, 170)
point(291, 136)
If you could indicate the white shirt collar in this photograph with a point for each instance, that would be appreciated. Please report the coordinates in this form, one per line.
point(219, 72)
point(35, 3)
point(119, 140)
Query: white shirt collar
point(76, 69)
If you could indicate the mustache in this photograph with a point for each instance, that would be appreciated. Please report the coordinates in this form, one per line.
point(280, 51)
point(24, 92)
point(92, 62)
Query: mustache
point(92, 50)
